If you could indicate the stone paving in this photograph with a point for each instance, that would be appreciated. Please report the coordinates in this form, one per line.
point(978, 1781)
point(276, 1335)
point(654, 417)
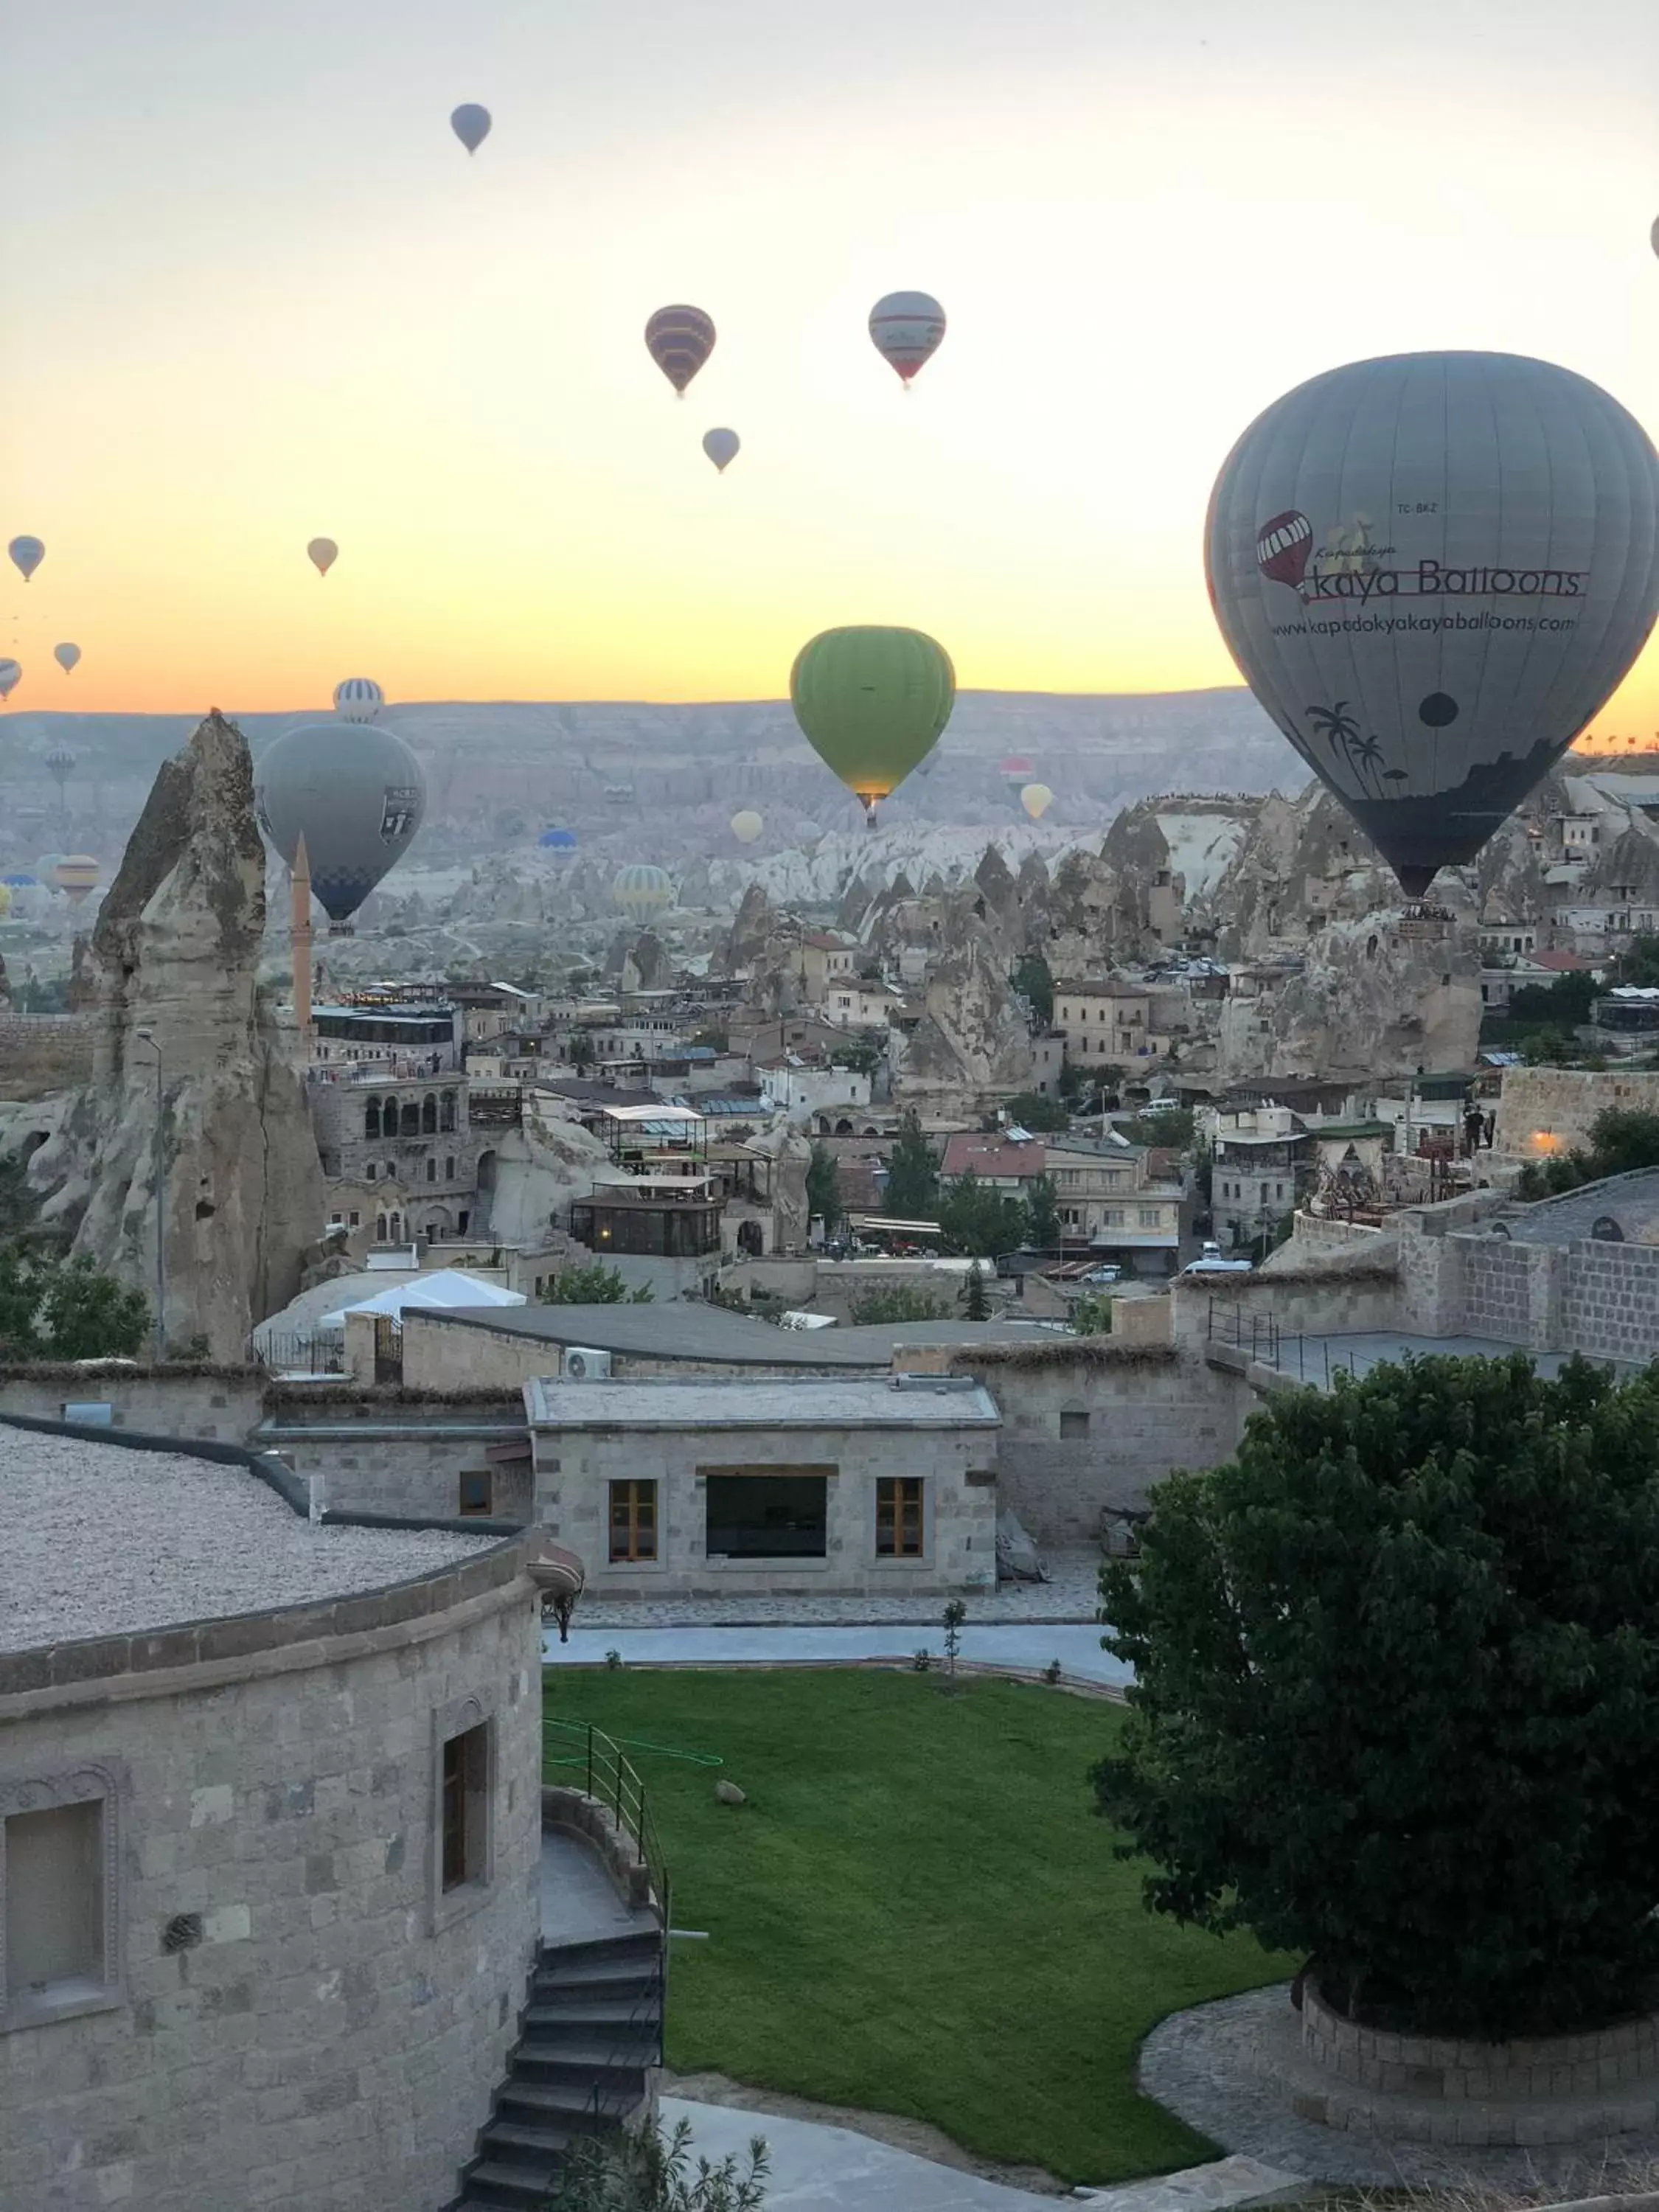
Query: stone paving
point(1021, 1648)
point(1204, 2066)
point(1070, 1594)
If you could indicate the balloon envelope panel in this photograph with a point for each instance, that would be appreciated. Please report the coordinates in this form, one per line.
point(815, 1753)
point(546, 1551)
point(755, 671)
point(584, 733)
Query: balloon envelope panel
point(641, 890)
point(1433, 569)
point(355, 791)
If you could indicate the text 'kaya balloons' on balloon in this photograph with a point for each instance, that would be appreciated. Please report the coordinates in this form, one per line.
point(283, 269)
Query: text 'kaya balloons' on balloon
point(906, 329)
point(679, 340)
point(872, 702)
point(1433, 569)
point(356, 795)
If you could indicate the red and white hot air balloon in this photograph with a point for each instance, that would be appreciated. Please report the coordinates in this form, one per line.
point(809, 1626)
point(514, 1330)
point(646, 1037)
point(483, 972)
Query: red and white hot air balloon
point(906, 329)
point(1283, 545)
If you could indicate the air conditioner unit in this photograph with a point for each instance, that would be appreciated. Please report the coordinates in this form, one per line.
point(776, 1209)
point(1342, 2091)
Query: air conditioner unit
point(583, 1365)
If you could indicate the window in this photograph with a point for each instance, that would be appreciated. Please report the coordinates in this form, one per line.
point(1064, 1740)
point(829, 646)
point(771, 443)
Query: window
point(633, 1520)
point(464, 1809)
point(1149, 1217)
point(477, 1490)
point(449, 1170)
point(372, 1118)
point(447, 1112)
point(898, 1516)
point(432, 1171)
point(1074, 1422)
point(767, 1512)
point(369, 1172)
point(356, 1219)
point(429, 1115)
point(59, 1940)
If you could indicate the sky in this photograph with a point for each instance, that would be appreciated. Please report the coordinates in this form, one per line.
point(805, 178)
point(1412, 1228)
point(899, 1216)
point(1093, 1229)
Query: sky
point(256, 291)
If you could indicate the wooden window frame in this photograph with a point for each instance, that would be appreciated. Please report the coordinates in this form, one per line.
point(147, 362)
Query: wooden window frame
point(897, 1496)
point(637, 1495)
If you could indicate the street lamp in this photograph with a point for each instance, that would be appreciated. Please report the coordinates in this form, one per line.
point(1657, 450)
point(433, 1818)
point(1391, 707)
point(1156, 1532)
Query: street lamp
point(148, 1037)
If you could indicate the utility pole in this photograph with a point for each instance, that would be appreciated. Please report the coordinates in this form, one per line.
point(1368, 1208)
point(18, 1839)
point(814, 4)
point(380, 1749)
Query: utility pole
point(300, 938)
point(158, 1166)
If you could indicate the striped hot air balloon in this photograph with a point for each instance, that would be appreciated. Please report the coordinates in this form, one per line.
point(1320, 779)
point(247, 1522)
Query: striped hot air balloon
point(679, 340)
point(77, 876)
point(11, 675)
point(906, 329)
point(358, 699)
point(641, 890)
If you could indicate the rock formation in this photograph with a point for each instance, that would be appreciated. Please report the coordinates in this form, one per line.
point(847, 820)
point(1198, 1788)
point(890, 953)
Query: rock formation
point(972, 1040)
point(223, 1119)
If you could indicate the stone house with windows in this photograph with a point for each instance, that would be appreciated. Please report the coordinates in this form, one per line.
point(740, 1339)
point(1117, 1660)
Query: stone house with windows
point(1108, 1023)
point(826, 962)
point(1107, 1199)
point(269, 1834)
point(1264, 1162)
point(403, 1158)
point(821, 1486)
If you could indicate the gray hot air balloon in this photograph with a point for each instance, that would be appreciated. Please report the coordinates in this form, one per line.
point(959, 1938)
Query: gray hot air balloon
point(1433, 569)
point(356, 792)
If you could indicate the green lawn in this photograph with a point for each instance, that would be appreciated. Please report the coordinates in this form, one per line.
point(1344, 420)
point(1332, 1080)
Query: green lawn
point(917, 1912)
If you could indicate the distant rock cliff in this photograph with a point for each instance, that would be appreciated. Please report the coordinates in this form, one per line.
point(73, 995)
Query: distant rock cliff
point(174, 954)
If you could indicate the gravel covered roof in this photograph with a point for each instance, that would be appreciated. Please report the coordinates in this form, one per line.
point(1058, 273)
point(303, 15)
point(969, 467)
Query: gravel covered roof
point(798, 1403)
point(97, 1539)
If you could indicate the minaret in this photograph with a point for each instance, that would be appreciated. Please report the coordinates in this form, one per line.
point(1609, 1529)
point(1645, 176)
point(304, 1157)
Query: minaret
point(301, 949)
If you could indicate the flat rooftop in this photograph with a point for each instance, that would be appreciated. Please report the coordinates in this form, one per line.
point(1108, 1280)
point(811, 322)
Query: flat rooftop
point(801, 1403)
point(98, 1540)
point(681, 1329)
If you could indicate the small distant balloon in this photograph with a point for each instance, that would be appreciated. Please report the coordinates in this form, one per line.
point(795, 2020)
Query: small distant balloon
point(722, 447)
point(470, 125)
point(358, 699)
point(1653, 235)
point(26, 555)
point(66, 656)
point(679, 340)
point(11, 675)
point(906, 329)
point(1037, 799)
point(323, 553)
point(746, 826)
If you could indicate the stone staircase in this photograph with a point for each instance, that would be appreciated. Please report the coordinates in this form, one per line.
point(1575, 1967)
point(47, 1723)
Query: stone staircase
point(590, 2039)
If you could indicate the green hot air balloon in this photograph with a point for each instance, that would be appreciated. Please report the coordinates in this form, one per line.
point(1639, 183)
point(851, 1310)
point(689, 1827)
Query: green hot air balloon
point(873, 703)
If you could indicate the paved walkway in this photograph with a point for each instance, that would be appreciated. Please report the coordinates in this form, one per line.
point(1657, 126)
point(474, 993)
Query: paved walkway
point(578, 1904)
point(1071, 1593)
point(1315, 1360)
point(823, 2169)
point(1026, 1650)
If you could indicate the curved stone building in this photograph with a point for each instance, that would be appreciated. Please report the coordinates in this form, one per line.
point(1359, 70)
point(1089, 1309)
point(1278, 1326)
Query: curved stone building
point(269, 1819)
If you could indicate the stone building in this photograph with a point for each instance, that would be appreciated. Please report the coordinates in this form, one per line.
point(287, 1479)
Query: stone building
point(803, 1486)
point(406, 1152)
point(270, 1826)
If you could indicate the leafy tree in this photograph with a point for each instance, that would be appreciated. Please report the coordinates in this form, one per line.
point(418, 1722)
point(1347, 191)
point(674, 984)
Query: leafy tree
point(1031, 1110)
point(1566, 1003)
point(582, 1051)
point(860, 1053)
point(1549, 1048)
point(1081, 1086)
point(57, 1308)
point(975, 1305)
point(1093, 1316)
point(1622, 1140)
point(595, 1285)
point(1172, 1126)
point(1035, 984)
point(979, 1220)
point(715, 1040)
point(1204, 1168)
point(1638, 963)
point(1396, 1690)
point(823, 1190)
point(912, 1174)
point(898, 1303)
point(645, 2170)
point(1042, 1227)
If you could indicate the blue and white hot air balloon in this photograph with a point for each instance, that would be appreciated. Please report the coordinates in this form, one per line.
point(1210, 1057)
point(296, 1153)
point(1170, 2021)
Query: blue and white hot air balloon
point(26, 555)
point(358, 699)
point(1433, 570)
point(470, 125)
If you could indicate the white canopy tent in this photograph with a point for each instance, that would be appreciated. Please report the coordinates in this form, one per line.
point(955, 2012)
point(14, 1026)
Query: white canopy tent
point(445, 1287)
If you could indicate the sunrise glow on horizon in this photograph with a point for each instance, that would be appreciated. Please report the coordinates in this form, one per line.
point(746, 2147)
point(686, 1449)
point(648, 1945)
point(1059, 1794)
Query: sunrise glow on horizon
point(257, 293)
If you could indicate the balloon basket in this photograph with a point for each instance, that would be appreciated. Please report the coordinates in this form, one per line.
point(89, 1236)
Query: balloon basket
point(1422, 923)
point(343, 929)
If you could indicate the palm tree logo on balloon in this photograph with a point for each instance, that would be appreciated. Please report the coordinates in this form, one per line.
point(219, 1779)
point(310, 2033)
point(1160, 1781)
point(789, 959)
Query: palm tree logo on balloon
point(1361, 755)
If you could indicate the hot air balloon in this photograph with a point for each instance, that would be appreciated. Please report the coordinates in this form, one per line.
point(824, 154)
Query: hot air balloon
point(358, 699)
point(746, 825)
point(557, 840)
point(1432, 676)
point(722, 447)
point(905, 329)
point(1037, 799)
point(66, 656)
point(356, 794)
point(641, 891)
point(11, 675)
point(470, 125)
point(323, 553)
point(5, 902)
point(76, 877)
point(872, 702)
point(26, 555)
point(679, 340)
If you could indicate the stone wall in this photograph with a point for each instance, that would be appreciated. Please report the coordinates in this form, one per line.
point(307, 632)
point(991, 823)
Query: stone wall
point(220, 1405)
point(411, 1467)
point(1090, 1429)
point(1610, 1301)
point(1314, 1303)
point(1545, 1110)
point(574, 1468)
point(447, 1356)
point(1502, 1283)
point(302, 2019)
point(42, 1053)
